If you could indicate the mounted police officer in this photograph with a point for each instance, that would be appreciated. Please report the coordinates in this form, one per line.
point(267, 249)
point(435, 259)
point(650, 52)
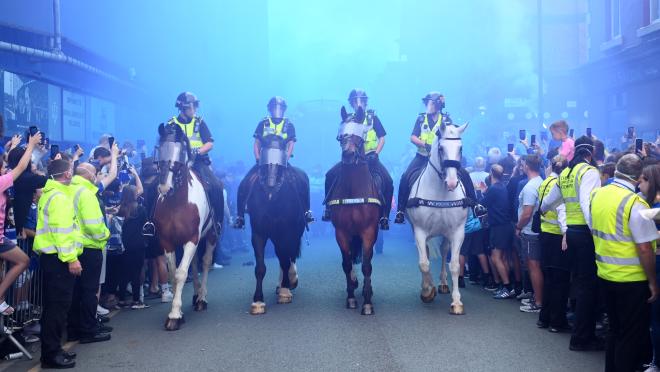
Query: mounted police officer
point(276, 124)
point(201, 143)
point(373, 145)
point(422, 136)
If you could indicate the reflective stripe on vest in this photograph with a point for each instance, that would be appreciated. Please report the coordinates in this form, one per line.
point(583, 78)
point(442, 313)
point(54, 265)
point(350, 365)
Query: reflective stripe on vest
point(426, 134)
point(549, 220)
point(191, 130)
point(275, 129)
point(47, 229)
point(616, 252)
point(570, 180)
point(89, 240)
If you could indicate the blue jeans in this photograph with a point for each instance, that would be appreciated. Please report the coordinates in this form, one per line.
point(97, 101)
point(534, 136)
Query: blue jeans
point(655, 318)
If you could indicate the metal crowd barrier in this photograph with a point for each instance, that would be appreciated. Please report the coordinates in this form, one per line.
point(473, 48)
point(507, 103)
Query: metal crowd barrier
point(25, 296)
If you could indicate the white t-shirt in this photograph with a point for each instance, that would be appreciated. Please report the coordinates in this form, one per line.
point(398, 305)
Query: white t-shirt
point(529, 196)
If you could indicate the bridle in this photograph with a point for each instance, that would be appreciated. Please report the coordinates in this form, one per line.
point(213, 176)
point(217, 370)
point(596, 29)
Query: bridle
point(445, 163)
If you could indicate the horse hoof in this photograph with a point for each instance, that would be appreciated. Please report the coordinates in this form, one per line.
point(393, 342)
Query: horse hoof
point(201, 305)
point(428, 299)
point(284, 296)
point(457, 310)
point(173, 324)
point(367, 309)
point(351, 303)
point(258, 308)
point(443, 288)
point(194, 302)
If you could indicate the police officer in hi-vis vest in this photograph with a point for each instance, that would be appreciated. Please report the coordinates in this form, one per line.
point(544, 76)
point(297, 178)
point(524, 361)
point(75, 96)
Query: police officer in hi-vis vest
point(422, 136)
point(201, 143)
point(58, 243)
point(625, 257)
point(276, 124)
point(574, 187)
point(373, 145)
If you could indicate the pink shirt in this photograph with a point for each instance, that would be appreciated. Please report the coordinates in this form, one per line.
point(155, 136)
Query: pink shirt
point(567, 148)
point(6, 181)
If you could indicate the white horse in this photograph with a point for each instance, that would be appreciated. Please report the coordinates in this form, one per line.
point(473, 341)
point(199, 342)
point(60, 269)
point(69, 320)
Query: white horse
point(436, 209)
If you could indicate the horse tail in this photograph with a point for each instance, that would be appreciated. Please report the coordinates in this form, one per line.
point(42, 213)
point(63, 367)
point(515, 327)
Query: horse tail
point(356, 250)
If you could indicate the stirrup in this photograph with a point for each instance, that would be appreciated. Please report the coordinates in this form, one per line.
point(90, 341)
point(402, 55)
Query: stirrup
point(309, 218)
point(239, 223)
point(399, 218)
point(149, 229)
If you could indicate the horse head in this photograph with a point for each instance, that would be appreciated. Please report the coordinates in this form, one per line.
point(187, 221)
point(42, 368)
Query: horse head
point(352, 134)
point(172, 156)
point(272, 161)
point(446, 153)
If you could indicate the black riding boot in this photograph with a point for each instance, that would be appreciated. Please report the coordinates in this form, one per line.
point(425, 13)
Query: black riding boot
point(330, 178)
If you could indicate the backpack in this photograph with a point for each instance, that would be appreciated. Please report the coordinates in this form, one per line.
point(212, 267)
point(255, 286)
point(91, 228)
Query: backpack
point(114, 246)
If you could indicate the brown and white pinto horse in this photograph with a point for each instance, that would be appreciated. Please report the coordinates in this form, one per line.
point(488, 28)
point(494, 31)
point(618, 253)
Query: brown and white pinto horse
point(355, 208)
point(183, 217)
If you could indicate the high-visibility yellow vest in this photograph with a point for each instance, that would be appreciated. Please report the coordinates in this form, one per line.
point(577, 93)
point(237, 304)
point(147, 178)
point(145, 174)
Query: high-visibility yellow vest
point(57, 228)
point(275, 129)
point(427, 133)
point(550, 219)
point(88, 212)
point(570, 180)
point(371, 142)
point(191, 130)
point(616, 252)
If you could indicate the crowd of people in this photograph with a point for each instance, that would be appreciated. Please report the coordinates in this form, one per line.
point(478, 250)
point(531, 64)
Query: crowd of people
point(557, 225)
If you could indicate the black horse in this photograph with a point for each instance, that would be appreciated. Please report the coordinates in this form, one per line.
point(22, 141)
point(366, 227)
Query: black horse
point(276, 213)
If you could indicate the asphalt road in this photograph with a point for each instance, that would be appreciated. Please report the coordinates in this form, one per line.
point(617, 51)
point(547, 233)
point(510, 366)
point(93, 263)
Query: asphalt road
point(316, 332)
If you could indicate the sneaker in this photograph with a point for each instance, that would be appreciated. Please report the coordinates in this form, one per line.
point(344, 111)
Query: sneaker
point(531, 308)
point(167, 296)
point(309, 217)
point(139, 305)
point(504, 294)
point(524, 295)
point(528, 301)
point(491, 287)
point(217, 266)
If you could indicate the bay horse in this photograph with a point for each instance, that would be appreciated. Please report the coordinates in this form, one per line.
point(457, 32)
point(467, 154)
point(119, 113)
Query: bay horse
point(354, 206)
point(183, 217)
point(437, 208)
point(276, 213)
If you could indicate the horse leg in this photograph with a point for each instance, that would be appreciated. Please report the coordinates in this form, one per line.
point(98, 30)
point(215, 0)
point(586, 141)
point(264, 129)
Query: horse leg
point(201, 304)
point(368, 241)
point(428, 289)
point(443, 288)
point(344, 242)
point(454, 267)
point(258, 306)
point(284, 295)
point(194, 271)
point(175, 317)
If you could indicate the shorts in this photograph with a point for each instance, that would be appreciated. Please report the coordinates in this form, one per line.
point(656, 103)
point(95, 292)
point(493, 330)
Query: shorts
point(473, 244)
point(530, 248)
point(153, 249)
point(6, 245)
point(501, 237)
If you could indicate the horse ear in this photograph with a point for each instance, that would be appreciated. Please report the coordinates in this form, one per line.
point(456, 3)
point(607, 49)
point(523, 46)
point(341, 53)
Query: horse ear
point(344, 114)
point(463, 127)
point(359, 115)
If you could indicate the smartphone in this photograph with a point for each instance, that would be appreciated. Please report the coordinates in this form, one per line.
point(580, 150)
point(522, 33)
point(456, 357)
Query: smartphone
point(533, 139)
point(522, 134)
point(588, 132)
point(638, 144)
point(571, 132)
point(54, 150)
point(111, 141)
point(33, 130)
point(510, 147)
point(631, 132)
